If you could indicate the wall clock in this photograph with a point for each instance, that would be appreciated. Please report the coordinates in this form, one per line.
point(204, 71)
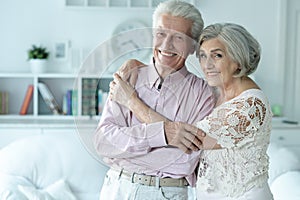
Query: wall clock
point(132, 39)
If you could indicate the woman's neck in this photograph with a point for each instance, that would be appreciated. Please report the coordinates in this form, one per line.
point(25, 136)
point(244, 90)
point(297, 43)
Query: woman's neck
point(239, 85)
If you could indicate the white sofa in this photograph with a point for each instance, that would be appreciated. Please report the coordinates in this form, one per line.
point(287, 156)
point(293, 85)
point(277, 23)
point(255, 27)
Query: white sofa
point(58, 166)
point(284, 173)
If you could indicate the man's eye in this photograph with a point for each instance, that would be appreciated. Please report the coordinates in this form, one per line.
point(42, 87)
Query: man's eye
point(160, 34)
point(179, 38)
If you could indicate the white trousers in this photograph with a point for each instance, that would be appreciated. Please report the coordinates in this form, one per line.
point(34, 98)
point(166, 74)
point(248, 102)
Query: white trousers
point(256, 193)
point(116, 188)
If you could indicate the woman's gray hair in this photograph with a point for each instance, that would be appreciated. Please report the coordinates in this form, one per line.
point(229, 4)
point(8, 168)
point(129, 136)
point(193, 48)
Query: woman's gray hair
point(180, 9)
point(241, 46)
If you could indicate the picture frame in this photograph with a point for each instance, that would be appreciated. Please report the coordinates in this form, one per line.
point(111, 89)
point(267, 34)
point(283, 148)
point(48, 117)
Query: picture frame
point(61, 50)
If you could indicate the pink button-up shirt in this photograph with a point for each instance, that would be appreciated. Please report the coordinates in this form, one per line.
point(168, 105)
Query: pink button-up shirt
point(126, 143)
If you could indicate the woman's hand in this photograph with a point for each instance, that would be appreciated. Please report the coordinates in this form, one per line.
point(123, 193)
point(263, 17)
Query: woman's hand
point(128, 70)
point(121, 91)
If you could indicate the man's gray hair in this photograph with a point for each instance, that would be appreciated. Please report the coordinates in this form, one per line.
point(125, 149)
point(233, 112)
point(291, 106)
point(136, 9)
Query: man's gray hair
point(183, 9)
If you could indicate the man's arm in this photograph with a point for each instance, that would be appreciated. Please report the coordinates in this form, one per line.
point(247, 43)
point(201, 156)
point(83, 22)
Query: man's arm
point(116, 137)
point(178, 134)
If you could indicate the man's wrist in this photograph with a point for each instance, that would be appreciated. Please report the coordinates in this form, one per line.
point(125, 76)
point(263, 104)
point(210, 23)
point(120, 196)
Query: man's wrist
point(132, 101)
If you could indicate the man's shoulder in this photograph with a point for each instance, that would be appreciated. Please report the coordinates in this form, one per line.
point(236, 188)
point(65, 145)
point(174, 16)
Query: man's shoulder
point(198, 81)
point(144, 68)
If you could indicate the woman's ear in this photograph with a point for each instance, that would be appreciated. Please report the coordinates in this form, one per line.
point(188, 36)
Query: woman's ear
point(238, 71)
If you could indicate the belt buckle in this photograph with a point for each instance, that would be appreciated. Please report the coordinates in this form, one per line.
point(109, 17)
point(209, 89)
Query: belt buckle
point(141, 179)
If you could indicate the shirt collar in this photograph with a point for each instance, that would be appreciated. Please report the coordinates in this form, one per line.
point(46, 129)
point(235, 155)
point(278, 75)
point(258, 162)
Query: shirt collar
point(153, 76)
point(175, 77)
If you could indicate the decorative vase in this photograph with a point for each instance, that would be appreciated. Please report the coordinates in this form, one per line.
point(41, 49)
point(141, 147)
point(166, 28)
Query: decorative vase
point(38, 65)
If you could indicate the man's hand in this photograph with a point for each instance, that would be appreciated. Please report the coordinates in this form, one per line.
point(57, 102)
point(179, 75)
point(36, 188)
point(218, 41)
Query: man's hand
point(121, 92)
point(128, 70)
point(186, 137)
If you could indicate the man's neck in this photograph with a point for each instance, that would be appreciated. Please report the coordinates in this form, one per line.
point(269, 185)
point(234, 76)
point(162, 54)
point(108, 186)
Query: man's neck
point(164, 71)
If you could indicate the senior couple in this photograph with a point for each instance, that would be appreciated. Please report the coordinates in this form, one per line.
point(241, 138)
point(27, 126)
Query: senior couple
point(168, 130)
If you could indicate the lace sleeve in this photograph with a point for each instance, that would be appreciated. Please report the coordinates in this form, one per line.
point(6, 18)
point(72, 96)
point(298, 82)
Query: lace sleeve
point(235, 123)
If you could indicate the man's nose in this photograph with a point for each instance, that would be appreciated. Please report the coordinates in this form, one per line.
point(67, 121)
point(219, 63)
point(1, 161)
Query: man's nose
point(167, 43)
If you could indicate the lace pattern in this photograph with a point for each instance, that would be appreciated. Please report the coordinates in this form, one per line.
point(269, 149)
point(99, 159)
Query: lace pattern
point(242, 127)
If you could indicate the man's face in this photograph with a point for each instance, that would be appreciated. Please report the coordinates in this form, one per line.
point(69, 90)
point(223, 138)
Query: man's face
point(172, 42)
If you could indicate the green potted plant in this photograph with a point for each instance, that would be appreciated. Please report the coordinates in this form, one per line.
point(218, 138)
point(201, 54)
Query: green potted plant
point(37, 56)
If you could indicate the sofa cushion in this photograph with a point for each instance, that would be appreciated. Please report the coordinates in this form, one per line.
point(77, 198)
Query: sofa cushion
point(286, 186)
point(45, 159)
point(8, 189)
point(57, 191)
point(282, 160)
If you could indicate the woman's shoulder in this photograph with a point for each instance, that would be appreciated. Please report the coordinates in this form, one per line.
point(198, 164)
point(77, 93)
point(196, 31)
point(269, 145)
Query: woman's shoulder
point(253, 93)
point(252, 98)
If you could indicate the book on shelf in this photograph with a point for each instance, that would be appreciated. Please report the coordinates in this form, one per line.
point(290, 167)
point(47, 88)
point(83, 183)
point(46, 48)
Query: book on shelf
point(74, 102)
point(49, 98)
point(102, 97)
point(3, 102)
point(70, 103)
point(27, 100)
point(90, 96)
point(64, 105)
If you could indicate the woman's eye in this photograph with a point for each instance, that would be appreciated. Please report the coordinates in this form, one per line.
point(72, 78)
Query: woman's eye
point(202, 55)
point(218, 55)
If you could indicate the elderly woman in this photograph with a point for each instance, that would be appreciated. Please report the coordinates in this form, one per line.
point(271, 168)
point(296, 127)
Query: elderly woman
point(233, 163)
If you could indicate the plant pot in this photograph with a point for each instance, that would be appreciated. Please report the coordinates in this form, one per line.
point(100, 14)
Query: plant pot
point(38, 65)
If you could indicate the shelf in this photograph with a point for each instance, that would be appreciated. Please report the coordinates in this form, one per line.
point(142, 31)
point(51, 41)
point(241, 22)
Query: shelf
point(46, 123)
point(132, 4)
point(51, 75)
point(17, 75)
point(59, 85)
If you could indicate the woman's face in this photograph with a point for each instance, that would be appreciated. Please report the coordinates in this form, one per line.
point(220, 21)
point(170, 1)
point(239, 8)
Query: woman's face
point(216, 63)
point(172, 42)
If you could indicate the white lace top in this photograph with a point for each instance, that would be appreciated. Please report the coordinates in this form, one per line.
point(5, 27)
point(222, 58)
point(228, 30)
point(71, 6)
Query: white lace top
point(242, 127)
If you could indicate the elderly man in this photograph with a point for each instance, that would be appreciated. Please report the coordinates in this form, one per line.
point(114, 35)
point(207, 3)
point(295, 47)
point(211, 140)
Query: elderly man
point(154, 160)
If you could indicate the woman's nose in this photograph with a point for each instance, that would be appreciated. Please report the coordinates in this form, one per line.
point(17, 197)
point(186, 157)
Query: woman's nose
point(209, 63)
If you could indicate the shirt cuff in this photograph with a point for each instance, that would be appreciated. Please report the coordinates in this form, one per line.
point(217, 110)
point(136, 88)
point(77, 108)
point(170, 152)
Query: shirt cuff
point(156, 134)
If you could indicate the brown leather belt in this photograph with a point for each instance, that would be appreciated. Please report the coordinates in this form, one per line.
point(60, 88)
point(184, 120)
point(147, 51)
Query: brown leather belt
point(152, 180)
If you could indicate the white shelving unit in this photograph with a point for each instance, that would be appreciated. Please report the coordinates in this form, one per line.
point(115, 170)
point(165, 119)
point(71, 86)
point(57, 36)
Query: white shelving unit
point(16, 85)
point(287, 135)
point(115, 3)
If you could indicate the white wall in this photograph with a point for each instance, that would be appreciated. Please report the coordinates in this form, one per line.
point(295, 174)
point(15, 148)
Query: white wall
point(23, 23)
point(261, 19)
